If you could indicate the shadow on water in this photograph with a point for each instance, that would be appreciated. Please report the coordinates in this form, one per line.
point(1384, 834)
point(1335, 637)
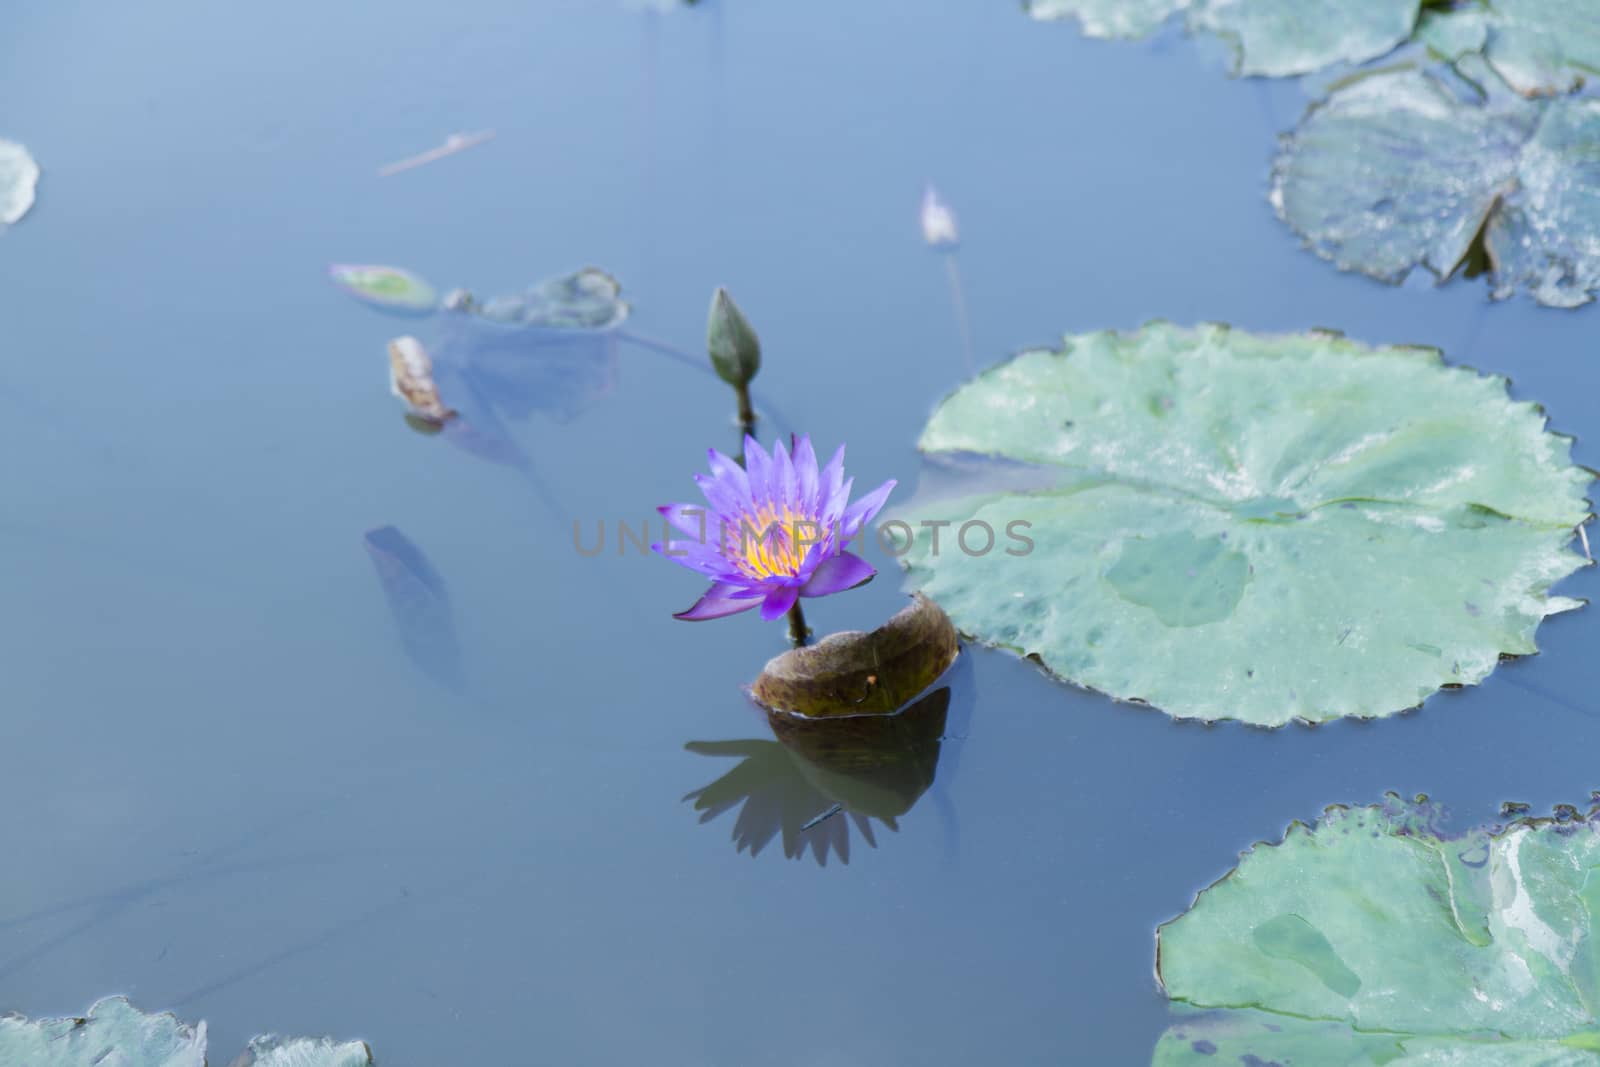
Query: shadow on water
point(821, 776)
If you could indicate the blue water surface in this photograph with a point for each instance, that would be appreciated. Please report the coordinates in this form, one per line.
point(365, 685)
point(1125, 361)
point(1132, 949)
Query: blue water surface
point(225, 789)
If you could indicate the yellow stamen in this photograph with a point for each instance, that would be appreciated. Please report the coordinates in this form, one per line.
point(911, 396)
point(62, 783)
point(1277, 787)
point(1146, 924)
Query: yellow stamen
point(773, 543)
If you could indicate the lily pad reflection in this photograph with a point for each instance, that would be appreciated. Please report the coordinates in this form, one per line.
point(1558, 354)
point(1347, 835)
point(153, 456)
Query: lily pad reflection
point(823, 776)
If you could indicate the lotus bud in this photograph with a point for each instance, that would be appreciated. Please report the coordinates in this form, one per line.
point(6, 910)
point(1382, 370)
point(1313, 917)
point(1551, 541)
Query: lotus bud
point(735, 349)
point(938, 221)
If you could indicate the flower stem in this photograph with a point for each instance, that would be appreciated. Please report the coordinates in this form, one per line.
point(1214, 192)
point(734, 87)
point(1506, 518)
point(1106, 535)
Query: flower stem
point(799, 633)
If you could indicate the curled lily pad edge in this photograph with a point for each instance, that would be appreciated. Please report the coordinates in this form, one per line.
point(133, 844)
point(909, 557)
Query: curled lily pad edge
point(923, 610)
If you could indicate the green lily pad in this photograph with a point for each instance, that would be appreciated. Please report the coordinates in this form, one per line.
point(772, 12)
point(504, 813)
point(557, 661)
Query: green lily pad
point(1276, 39)
point(115, 1032)
point(271, 1051)
point(1109, 18)
point(1268, 37)
point(1375, 938)
point(1399, 169)
point(19, 176)
point(1453, 34)
point(1540, 47)
point(1230, 526)
point(385, 287)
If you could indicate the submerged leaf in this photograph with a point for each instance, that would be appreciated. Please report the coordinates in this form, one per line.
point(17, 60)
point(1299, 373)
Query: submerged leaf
point(19, 177)
point(518, 371)
point(1374, 938)
point(116, 1034)
point(1258, 528)
point(419, 604)
point(1396, 170)
point(386, 287)
point(590, 299)
point(856, 673)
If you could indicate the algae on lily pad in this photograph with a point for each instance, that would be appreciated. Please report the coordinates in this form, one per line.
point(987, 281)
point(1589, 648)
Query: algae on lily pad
point(1232, 526)
point(1375, 938)
point(114, 1032)
point(1401, 168)
point(19, 177)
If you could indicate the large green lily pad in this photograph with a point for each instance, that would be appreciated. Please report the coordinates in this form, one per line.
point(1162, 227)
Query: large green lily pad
point(1375, 938)
point(1402, 169)
point(1230, 526)
point(1273, 38)
point(115, 1032)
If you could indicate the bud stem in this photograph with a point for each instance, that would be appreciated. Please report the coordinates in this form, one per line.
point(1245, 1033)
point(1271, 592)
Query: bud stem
point(747, 413)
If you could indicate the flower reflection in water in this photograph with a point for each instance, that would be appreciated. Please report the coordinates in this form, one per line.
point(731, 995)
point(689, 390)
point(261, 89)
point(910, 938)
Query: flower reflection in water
point(860, 767)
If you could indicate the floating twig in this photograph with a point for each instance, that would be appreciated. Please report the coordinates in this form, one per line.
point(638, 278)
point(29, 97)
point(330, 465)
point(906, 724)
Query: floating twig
point(456, 142)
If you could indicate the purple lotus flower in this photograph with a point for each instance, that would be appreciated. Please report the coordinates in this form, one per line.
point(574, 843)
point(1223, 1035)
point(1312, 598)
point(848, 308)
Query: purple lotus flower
point(773, 533)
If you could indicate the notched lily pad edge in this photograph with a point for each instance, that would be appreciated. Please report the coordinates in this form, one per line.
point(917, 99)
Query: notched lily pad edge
point(1430, 353)
point(1564, 815)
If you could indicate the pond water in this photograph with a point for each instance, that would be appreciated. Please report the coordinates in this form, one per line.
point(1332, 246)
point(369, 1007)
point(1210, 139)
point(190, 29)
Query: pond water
point(225, 790)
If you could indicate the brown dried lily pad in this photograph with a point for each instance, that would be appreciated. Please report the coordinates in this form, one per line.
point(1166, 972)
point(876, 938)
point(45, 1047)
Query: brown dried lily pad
point(856, 673)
